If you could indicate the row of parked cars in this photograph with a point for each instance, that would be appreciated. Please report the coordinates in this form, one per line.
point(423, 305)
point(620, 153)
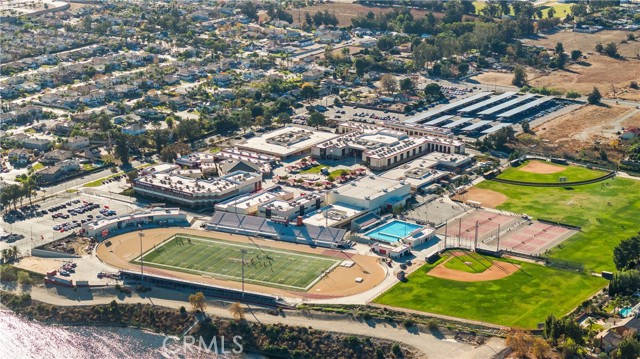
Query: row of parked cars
point(23, 213)
point(113, 179)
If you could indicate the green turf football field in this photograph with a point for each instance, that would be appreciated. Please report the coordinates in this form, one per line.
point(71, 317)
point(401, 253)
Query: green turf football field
point(222, 259)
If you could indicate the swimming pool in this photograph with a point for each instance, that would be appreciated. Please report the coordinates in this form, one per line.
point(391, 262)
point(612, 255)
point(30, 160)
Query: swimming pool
point(393, 231)
point(625, 312)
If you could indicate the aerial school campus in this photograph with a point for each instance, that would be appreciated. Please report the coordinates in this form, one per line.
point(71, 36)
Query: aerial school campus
point(537, 248)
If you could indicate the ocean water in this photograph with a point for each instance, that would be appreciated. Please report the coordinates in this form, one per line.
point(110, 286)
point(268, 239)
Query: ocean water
point(21, 338)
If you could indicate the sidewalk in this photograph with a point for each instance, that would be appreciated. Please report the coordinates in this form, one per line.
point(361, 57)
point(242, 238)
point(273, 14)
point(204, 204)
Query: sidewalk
point(435, 346)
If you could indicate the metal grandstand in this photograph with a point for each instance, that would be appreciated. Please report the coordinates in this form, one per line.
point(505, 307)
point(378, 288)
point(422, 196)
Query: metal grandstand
point(262, 227)
point(506, 105)
point(485, 103)
point(526, 107)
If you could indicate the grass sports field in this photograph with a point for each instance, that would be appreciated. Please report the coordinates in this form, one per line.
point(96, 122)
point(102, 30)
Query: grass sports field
point(523, 299)
point(222, 259)
point(572, 173)
point(469, 264)
point(607, 212)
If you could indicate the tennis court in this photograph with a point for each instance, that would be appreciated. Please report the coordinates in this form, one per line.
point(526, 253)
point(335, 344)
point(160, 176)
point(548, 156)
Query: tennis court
point(533, 237)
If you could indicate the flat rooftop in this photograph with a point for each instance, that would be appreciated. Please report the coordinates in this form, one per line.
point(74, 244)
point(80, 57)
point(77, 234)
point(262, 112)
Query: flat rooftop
point(286, 141)
point(369, 186)
point(331, 215)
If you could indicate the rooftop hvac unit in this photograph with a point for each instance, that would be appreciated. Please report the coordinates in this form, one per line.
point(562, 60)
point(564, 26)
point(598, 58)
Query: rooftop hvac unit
point(367, 197)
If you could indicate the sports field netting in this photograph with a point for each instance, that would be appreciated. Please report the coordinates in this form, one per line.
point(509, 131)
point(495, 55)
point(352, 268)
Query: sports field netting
point(223, 260)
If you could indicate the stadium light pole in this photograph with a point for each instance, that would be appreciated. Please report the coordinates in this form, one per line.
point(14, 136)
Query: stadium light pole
point(140, 235)
point(243, 251)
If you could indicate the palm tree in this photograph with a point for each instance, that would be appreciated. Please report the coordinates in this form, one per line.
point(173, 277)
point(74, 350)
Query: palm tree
point(5, 255)
point(15, 252)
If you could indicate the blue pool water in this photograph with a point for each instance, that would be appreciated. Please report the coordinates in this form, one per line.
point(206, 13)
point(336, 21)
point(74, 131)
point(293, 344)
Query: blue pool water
point(392, 231)
point(625, 312)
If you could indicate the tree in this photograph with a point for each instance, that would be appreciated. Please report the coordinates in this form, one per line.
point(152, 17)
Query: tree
point(626, 254)
point(540, 348)
point(237, 311)
point(170, 120)
point(576, 54)
point(406, 85)
point(611, 50)
point(249, 10)
point(361, 65)
point(551, 13)
point(389, 83)
point(526, 128)
point(561, 56)
point(519, 76)
point(579, 9)
point(307, 91)
point(283, 118)
point(594, 97)
point(122, 148)
point(385, 43)
point(520, 342)
point(197, 302)
point(599, 48)
point(629, 348)
point(433, 90)
point(316, 119)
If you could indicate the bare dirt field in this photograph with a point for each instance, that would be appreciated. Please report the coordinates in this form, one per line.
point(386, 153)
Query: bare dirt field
point(606, 73)
point(496, 78)
point(587, 42)
point(340, 282)
point(541, 167)
point(582, 129)
point(345, 12)
point(496, 271)
point(488, 198)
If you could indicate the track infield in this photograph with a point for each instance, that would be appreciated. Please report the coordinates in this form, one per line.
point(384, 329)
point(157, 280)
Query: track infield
point(522, 299)
point(222, 259)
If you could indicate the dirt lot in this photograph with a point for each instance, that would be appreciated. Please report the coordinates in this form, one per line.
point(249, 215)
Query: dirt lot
point(496, 271)
point(338, 283)
point(541, 167)
point(345, 11)
point(581, 129)
point(487, 197)
point(587, 42)
point(598, 71)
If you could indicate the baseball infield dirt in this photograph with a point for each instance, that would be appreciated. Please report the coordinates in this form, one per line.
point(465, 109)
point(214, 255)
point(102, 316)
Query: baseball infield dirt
point(498, 270)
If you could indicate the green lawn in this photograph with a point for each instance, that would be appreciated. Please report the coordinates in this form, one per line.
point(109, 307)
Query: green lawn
point(471, 263)
point(37, 166)
point(572, 173)
point(314, 170)
point(561, 10)
point(607, 212)
point(522, 299)
point(222, 259)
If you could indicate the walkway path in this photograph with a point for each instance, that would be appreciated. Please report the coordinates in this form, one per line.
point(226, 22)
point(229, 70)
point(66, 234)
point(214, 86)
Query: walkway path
point(435, 346)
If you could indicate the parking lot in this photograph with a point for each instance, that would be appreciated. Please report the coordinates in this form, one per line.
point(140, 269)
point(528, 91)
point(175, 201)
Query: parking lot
point(56, 217)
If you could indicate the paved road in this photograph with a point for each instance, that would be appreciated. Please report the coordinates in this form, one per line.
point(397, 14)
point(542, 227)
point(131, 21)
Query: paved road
point(435, 346)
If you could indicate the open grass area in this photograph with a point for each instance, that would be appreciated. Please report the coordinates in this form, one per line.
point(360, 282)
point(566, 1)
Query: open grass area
point(606, 211)
point(522, 299)
point(469, 263)
point(313, 170)
point(561, 10)
point(37, 166)
point(222, 259)
point(572, 173)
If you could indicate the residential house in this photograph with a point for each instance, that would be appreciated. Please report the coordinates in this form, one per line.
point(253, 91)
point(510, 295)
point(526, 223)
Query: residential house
point(134, 129)
point(76, 143)
point(19, 156)
point(56, 156)
point(222, 80)
point(312, 75)
point(57, 172)
point(39, 144)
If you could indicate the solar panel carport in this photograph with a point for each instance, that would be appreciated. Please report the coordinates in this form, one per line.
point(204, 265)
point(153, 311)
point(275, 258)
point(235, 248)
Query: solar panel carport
point(525, 107)
point(487, 102)
point(496, 128)
point(439, 120)
point(458, 122)
point(449, 107)
point(506, 105)
point(476, 125)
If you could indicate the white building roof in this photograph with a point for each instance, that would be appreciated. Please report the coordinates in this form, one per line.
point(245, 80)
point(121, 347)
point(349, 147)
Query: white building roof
point(369, 187)
point(286, 141)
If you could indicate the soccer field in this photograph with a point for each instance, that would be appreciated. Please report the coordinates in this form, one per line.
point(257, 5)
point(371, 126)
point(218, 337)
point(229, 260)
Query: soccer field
point(222, 259)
